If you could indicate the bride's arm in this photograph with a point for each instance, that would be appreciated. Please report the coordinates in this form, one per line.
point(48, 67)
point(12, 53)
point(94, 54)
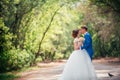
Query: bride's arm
point(76, 46)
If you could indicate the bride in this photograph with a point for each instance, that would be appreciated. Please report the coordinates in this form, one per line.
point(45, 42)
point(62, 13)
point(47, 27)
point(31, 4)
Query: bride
point(79, 65)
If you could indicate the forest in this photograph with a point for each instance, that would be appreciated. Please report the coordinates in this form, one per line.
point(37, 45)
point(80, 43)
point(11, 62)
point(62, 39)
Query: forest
point(34, 31)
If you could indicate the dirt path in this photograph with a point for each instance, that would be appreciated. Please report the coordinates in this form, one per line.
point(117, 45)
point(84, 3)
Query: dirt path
point(52, 71)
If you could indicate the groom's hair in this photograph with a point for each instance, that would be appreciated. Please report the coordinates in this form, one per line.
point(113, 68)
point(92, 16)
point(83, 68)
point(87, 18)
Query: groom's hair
point(84, 27)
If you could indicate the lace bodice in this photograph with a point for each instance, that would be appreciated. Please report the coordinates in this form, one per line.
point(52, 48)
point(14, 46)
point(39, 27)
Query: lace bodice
point(79, 41)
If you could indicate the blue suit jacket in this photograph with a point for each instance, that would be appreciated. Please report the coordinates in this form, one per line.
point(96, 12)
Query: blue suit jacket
point(87, 45)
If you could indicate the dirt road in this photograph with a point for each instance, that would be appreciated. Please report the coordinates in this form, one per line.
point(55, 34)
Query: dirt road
point(52, 71)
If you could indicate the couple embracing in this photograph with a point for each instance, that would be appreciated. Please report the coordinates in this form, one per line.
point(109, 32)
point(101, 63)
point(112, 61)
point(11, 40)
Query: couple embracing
point(79, 65)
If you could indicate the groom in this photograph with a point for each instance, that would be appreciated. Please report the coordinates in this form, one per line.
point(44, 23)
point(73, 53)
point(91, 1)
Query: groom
point(87, 45)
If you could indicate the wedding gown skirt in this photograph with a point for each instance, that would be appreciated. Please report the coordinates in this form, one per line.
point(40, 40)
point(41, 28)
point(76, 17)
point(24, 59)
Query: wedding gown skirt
point(78, 67)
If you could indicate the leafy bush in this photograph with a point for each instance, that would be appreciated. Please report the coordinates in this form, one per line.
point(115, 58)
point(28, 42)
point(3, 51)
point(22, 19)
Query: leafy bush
point(15, 59)
point(5, 37)
point(10, 57)
point(8, 76)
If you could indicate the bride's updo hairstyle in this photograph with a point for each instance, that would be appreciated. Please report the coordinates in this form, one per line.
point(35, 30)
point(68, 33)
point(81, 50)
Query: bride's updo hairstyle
point(75, 33)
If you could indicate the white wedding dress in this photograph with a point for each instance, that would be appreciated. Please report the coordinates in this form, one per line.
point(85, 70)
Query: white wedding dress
point(78, 67)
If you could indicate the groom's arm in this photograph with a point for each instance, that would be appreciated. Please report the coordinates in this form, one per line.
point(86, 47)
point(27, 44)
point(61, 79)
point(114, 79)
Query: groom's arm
point(86, 43)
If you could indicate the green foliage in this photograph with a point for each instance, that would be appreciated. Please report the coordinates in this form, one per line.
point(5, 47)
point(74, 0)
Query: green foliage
point(108, 4)
point(35, 30)
point(7, 76)
point(13, 11)
point(5, 37)
point(5, 44)
point(11, 58)
point(104, 19)
point(40, 30)
point(15, 59)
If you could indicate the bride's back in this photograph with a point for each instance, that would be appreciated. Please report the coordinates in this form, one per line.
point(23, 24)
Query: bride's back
point(78, 42)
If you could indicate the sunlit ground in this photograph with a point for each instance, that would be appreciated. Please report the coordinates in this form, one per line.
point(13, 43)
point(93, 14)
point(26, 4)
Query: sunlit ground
point(52, 71)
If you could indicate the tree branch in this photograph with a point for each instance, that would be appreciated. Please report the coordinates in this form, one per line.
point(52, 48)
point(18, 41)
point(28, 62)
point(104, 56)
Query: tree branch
point(44, 34)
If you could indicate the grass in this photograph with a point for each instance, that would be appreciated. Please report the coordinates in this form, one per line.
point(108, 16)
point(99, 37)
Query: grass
point(8, 76)
point(16, 74)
